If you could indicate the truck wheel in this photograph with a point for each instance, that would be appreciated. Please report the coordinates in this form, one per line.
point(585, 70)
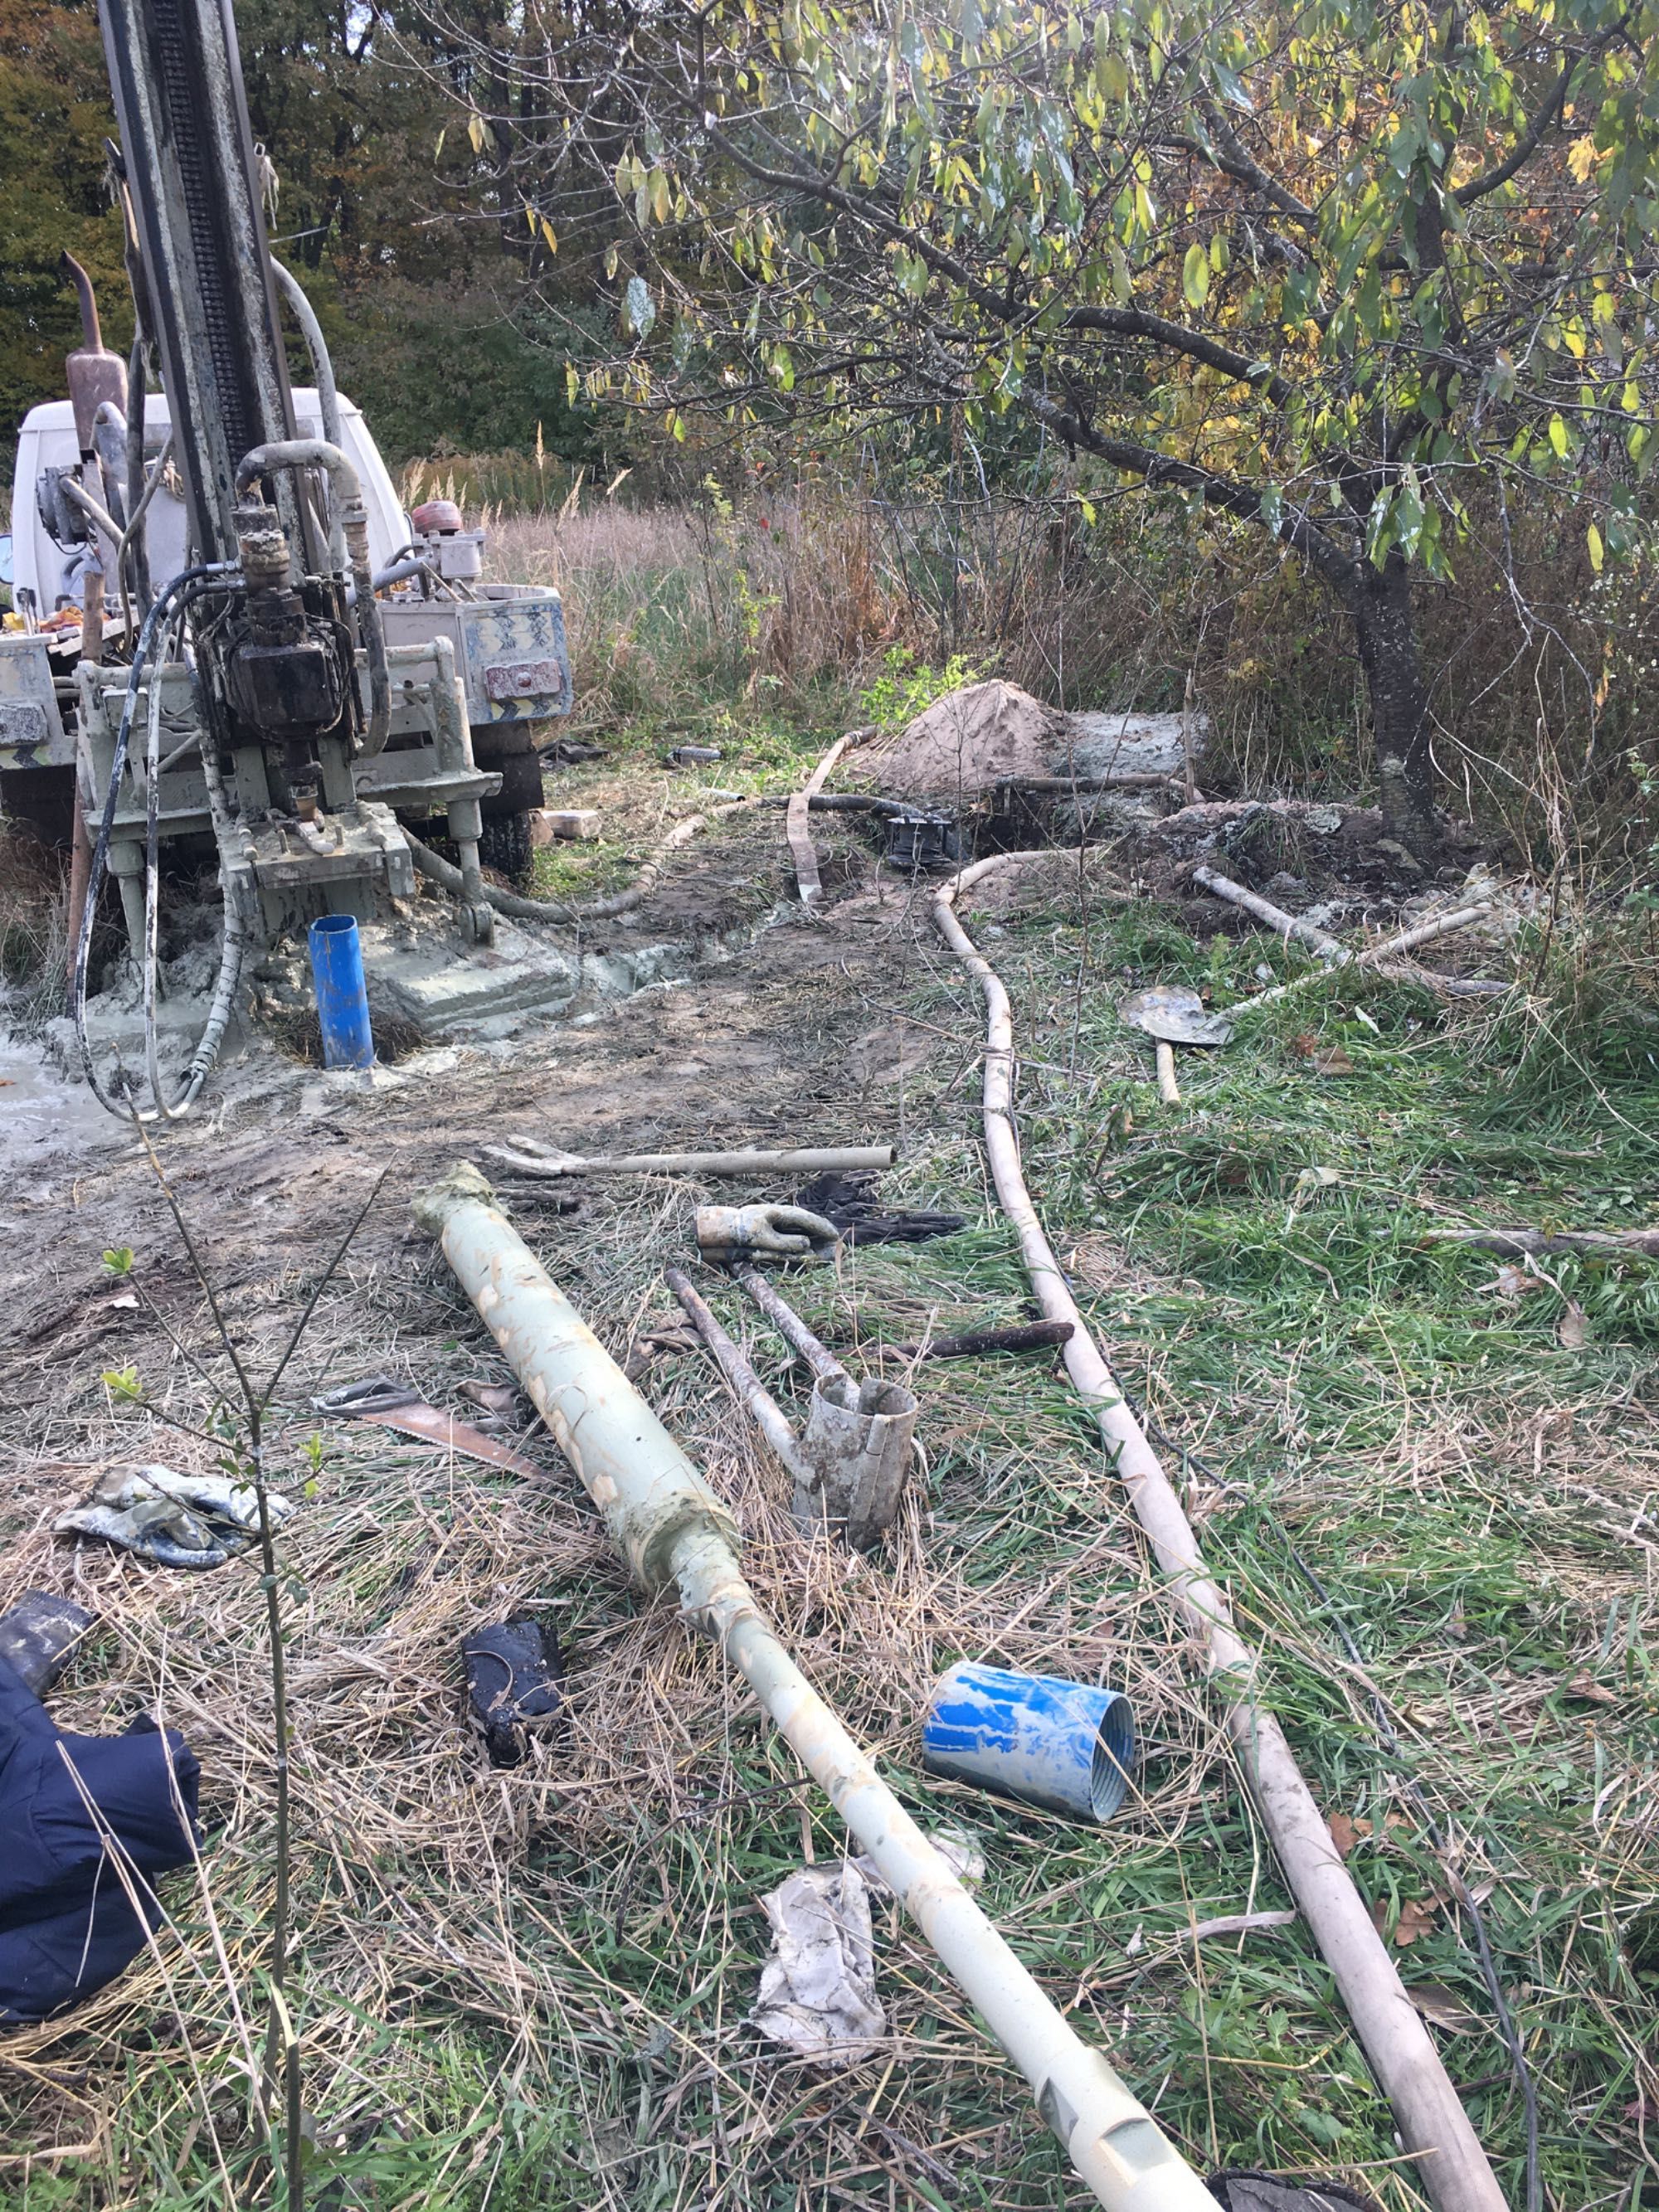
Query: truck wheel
point(505, 846)
point(508, 750)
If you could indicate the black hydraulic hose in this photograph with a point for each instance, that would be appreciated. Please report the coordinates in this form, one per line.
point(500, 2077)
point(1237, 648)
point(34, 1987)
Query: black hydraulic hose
point(185, 588)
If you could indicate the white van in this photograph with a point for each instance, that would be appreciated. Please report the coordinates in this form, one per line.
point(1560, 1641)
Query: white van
point(50, 575)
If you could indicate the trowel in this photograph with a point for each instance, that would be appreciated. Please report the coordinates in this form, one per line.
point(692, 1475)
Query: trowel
point(1172, 1014)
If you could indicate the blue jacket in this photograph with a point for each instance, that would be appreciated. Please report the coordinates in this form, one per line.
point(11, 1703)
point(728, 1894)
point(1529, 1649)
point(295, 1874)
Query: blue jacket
point(67, 1923)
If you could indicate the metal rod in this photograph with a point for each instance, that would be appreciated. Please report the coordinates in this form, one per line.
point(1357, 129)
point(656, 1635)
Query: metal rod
point(1281, 924)
point(823, 1362)
point(528, 1158)
point(675, 1533)
point(770, 1417)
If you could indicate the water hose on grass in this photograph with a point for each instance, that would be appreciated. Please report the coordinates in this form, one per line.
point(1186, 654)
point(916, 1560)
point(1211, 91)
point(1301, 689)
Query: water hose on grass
point(1432, 2124)
point(676, 1536)
point(440, 871)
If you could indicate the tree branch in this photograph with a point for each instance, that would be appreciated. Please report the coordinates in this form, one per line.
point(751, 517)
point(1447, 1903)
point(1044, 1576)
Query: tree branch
point(1159, 470)
point(1525, 146)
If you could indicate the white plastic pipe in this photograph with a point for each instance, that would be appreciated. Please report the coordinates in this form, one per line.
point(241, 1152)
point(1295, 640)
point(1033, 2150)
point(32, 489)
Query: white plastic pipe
point(1430, 2118)
point(674, 1533)
point(530, 1157)
point(1281, 924)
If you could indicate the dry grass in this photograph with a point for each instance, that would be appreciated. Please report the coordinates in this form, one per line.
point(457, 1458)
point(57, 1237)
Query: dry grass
point(786, 596)
point(34, 940)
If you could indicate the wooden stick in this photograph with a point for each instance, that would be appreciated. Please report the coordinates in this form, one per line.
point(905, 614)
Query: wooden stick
point(968, 1343)
point(1515, 1243)
point(1433, 2122)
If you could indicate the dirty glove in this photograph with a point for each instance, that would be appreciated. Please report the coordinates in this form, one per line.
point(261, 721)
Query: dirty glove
point(728, 1235)
point(177, 1520)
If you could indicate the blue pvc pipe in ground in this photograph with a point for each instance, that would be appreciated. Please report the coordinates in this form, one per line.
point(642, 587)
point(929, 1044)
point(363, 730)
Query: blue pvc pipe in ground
point(337, 969)
point(1066, 1746)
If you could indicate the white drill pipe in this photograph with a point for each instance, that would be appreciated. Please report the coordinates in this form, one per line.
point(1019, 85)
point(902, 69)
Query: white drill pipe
point(674, 1532)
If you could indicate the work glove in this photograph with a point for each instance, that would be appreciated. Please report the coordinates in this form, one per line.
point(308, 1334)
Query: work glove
point(729, 1235)
point(177, 1520)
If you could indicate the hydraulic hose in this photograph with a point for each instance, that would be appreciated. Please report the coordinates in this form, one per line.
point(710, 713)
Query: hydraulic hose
point(328, 394)
point(81, 497)
point(176, 597)
point(348, 536)
point(109, 438)
point(139, 492)
point(439, 871)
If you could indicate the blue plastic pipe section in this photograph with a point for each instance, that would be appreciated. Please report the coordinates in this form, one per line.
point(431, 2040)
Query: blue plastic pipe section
point(1066, 1746)
point(337, 969)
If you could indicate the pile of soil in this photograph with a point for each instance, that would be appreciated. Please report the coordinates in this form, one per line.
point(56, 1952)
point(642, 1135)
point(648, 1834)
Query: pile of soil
point(965, 744)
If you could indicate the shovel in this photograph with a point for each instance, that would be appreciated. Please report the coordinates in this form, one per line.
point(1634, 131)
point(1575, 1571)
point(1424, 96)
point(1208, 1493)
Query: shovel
point(1172, 1014)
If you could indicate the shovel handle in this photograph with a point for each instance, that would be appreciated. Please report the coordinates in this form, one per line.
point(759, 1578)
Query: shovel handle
point(1168, 1088)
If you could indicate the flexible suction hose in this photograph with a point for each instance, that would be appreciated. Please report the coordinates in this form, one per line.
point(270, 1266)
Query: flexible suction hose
point(1433, 2122)
point(439, 871)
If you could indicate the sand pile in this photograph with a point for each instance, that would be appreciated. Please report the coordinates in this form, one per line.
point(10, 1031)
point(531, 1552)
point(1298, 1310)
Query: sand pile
point(966, 742)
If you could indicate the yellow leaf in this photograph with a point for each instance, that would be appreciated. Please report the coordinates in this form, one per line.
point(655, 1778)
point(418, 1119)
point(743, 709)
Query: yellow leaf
point(1195, 276)
point(1558, 436)
point(1582, 157)
point(551, 235)
point(475, 131)
point(1593, 540)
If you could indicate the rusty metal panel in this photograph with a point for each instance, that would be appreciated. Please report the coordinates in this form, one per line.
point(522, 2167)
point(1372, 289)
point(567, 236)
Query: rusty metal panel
point(524, 679)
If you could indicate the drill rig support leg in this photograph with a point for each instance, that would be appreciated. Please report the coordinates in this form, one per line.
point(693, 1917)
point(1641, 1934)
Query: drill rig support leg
point(465, 828)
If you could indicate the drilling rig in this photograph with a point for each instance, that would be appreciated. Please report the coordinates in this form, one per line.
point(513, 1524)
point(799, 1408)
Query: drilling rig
point(241, 678)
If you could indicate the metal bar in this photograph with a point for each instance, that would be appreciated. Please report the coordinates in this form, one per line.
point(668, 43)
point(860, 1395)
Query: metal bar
point(529, 1158)
point(770, 1417)
point(1281, 924)
point(789, 1323)
point(674, 1533)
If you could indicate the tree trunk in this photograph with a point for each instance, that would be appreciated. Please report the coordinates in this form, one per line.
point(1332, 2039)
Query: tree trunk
point(1380, 601)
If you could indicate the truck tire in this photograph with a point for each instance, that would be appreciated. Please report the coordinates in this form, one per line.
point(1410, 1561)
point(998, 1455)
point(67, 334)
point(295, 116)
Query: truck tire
point(505, 845)
point(508, 749)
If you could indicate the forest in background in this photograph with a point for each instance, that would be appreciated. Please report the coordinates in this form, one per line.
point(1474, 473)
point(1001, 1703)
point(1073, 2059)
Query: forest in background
point(532, 288)
point(425, 292)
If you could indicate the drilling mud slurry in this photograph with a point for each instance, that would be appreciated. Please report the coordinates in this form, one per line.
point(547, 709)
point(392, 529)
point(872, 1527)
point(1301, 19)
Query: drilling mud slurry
point(42, 1117)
